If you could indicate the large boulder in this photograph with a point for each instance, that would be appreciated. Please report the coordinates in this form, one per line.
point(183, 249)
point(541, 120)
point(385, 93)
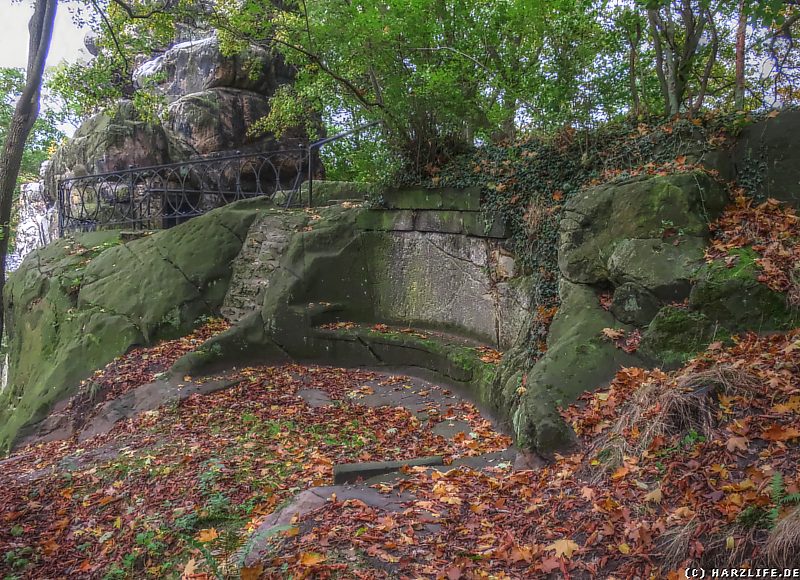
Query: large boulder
point(77, 303)
point(598, 219)
point(219, 120)
point(578, 359)
point(641, 240)
point(665, 268)
point(198, 65)
point(113, 140)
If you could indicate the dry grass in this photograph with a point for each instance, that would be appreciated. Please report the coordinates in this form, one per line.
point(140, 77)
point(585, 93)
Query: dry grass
point(673, 545)
point(686, 404)
point(793, 293)
point(783, 546)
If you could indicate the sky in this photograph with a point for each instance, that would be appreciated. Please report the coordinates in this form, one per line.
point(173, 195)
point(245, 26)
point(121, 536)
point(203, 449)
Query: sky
point(67, 41)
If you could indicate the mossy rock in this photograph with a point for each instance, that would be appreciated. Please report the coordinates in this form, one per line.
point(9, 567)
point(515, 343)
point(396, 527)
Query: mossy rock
point(664, 268)
point(113, 140)
point(76, 304)
point(578, 359)
point(445, 198)
point(735, 298)
point(598, 219)
point(676, 334)
point(54, 344)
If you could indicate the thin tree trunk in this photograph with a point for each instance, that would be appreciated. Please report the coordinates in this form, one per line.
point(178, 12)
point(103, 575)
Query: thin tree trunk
point(709, 68)
point(741, 30)
point(633, 41)
point(655, 32)
point(40, 29)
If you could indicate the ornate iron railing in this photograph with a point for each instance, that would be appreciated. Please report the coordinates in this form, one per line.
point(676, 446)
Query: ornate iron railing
point(161, 196)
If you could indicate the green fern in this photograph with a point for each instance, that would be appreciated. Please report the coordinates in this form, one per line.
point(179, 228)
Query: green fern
point(777, 488)
point(758, 517)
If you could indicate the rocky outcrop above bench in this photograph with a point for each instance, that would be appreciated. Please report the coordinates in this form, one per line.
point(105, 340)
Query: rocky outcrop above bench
point(198, 65)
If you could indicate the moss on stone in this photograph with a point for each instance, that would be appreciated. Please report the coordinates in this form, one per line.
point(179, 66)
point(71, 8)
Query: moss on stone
point(468, 199)
point(76, 304)
point(677, 334)
point(735, 298)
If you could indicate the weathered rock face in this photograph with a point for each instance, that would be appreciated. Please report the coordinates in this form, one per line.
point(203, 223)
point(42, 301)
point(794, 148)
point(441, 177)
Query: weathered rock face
point(218, 120)
point(449, 282)
point(111, 141)
point(213, 99)
point(37, 224)
point(79, 302)
point(641, 239)
point(595, 222)
point(198, 65)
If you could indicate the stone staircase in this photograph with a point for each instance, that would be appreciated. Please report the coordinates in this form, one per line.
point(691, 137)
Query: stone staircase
point(260, 255)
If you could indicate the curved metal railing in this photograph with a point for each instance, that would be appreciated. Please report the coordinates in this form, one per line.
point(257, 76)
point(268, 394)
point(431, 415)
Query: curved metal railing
point(161, 196)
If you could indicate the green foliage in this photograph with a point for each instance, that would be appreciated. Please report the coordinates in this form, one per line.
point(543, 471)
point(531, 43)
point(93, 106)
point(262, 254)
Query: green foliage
point(438, 75)
point(43, 139)
point(45, 135)
point(759, 517)
point(444, 77)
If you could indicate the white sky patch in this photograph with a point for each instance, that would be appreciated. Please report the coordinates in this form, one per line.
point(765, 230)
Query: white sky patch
point(67, 41)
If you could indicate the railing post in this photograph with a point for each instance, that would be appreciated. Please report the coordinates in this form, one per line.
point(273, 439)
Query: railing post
point(60, 208)
point(310, 176)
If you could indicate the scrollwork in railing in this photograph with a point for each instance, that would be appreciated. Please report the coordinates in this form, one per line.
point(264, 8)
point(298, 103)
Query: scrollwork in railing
point(161, 196)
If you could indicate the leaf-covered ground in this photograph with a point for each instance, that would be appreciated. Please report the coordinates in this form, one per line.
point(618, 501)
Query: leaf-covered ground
point(693, 466)
point(697, 466)
point(174, 489)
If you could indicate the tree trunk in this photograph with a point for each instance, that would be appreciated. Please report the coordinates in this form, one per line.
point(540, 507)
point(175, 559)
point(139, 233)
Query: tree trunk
point(658, 47)
point(40, 29)
point(741, 30)
point(633, 42)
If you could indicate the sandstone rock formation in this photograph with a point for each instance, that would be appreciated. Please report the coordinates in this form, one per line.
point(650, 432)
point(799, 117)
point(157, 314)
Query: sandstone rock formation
point(212, 101)
point(37, 225)
point(76, 304)
point(198, 65)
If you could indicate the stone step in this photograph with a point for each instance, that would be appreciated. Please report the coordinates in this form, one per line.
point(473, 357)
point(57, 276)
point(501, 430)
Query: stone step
point(263, 247)
point(353, 472)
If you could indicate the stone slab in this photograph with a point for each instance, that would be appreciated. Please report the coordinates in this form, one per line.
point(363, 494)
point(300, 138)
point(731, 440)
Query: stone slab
point(310, 500)
point(315, 398)
point(352, 472)
point(469, 223)
point(386, 220)
point(145, 398)
point(468, 199)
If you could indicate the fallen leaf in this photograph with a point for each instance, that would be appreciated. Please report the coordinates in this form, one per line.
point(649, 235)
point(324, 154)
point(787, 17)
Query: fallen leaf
point(735, 443)
point(309, 559)
point(654, 496)
point(613, 334)
point(780, 433)
point(564, 547)
point(207, 535)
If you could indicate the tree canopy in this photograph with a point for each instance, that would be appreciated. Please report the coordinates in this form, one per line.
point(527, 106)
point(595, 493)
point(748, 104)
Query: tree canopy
point(444, 75)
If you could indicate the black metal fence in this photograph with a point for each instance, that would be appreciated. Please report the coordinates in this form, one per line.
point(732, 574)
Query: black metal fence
point(162, 196)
